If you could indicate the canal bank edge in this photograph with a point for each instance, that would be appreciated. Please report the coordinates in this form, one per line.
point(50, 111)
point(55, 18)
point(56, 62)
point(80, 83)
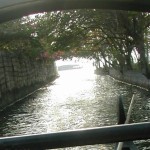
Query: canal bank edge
point(131, 77)
point(20, 76)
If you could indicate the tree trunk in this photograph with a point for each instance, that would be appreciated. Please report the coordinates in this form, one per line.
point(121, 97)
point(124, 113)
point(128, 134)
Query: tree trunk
point(143, 60)
point(128, 61)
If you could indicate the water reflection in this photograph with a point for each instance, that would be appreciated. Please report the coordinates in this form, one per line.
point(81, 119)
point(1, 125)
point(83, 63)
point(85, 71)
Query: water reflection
point(77, 99)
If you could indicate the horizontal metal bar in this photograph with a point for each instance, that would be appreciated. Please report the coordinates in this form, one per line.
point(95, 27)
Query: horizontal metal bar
point(26, 7)
point(101, 135)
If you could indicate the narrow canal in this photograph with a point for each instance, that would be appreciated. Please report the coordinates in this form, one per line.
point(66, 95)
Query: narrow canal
point(77, 99)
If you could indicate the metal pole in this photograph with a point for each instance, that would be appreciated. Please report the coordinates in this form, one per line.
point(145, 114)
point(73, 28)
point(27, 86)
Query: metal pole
point(102, 135)
point(120, 145)
point(120, 111)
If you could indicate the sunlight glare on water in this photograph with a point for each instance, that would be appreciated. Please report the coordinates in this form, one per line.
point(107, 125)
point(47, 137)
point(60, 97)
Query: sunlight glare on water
point(77, 99)
point(75, 80)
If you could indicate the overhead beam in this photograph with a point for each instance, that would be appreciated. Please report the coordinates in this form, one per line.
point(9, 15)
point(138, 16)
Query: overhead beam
point(26, 7)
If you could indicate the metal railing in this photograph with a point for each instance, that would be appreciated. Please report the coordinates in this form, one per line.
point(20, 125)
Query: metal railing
point(102, 135)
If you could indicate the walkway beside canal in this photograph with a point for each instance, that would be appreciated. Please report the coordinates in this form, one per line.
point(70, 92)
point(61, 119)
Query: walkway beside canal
point(131, 77)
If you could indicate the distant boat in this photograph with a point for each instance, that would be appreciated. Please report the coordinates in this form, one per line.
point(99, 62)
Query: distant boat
point(68, 67)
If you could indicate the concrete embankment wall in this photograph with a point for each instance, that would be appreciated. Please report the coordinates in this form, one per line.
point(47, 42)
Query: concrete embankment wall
point(20, 76)
point(131, 77)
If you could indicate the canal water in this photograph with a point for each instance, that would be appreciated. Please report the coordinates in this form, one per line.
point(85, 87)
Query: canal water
point(77, 99)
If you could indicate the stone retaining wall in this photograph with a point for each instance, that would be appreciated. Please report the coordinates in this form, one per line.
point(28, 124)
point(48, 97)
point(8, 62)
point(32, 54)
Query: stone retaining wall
point(20, 76)
point(131, 77)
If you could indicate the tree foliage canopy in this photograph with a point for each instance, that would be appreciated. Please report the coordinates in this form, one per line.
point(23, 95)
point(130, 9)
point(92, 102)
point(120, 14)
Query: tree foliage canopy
point(107, 36)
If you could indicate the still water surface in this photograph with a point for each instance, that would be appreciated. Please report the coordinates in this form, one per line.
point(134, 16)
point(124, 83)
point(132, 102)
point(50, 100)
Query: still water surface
point(77, 99)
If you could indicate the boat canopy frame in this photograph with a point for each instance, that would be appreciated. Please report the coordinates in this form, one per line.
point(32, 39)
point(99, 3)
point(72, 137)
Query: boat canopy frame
point(10, 10)
point(100, 135)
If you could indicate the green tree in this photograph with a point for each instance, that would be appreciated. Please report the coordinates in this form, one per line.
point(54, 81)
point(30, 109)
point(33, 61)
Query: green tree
point(106, 36)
